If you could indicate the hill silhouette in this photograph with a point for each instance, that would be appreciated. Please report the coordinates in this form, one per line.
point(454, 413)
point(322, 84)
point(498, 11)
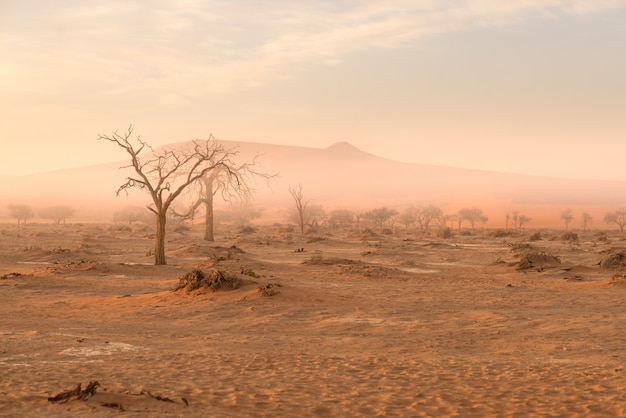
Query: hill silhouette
point(340, 175)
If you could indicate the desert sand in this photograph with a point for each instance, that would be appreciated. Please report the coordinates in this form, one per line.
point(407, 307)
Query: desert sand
point(359, 324)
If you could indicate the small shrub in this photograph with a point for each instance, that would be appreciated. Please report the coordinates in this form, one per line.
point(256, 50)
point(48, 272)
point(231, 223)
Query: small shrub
point(444, 232)
point(535, 237)
point(181, 228)
point(569, 236)
point(247, 230)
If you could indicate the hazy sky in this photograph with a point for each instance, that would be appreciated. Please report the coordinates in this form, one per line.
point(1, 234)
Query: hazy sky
point(535, 86)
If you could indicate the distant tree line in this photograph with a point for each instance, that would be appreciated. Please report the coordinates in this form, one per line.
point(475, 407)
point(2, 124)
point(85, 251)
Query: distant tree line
point(23, 213)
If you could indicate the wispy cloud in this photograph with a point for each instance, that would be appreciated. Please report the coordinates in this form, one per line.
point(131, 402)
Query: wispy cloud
point(185, 48)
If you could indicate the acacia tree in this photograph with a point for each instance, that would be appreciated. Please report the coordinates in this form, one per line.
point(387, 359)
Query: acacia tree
point(427, 214)
point(341, 218)
point(381, 215)
point(21, 213)
point(231, 181)
point(165, 173)
point(301, 205)
point(472, 215)
point(408, 216)
point(58, 214)
point(617, 217)
point(567, 215)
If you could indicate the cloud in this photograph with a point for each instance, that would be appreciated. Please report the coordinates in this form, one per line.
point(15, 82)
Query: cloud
point(187, 48)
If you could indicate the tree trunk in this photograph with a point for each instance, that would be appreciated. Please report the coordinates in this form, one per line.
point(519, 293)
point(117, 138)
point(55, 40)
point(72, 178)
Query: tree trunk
point(208, 205)
point(159, 248)
point(208, 220)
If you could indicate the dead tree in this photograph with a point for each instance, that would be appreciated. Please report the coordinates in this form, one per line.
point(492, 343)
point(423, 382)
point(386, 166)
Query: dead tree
point(231, 181)
point(165, 173)
point(301, 205)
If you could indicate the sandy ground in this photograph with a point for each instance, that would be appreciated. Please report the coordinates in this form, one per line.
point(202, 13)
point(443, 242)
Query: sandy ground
point(360, 324)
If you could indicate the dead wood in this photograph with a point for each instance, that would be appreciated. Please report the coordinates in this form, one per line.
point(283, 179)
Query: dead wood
point(80, 394)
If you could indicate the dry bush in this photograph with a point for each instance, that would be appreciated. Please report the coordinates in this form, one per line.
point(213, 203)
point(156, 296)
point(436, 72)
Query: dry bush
point(319, 260)
point(367, 233)
point(500, 233)
point(247, 230)
point(538, 260)
point(569, 236)
point(214, 279)
point(601, 236)
point(616, 259)
point(444, 232)
point(535, 236)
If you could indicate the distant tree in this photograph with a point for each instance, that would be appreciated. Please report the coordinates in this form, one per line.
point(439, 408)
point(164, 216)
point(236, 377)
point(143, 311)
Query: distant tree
point(380, 215)
point(130, 214)
point(166, 173)
point(301, 205)
point(473, 215)
point(587, 219)
point(57, 214)
point(426, 214)
point(407, 217)
point(522, 219)
point(315, 216)
point(341, 218)
point(454, 219)
point(515, 218)
point(21, 213)
point(507, 219)
point(567, 215)
point(358, 215)
point(617, 217)
point(240, 213)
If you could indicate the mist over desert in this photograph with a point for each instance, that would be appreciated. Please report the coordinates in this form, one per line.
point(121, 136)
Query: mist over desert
point(343, 320)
